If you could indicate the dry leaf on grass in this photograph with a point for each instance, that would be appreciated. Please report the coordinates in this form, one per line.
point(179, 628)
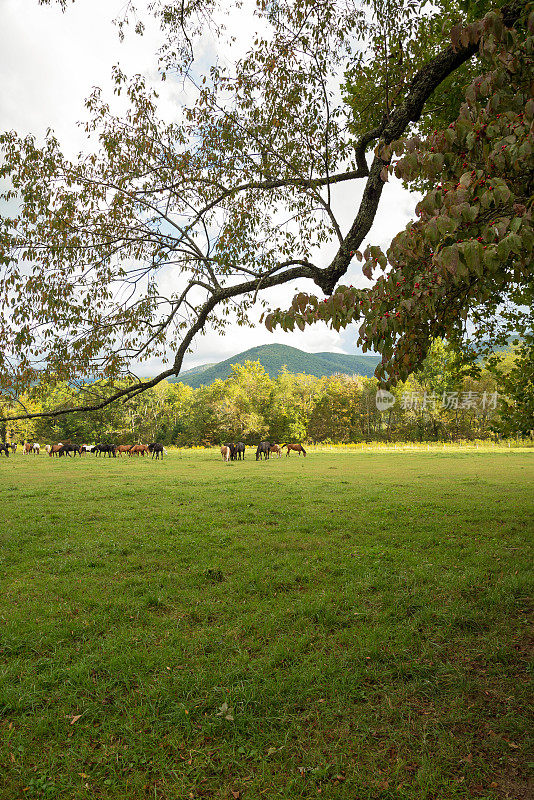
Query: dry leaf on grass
point(226, 711)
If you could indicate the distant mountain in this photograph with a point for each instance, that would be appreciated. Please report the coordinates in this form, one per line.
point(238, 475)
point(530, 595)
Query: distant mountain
point(273, 357)
point(192, 371)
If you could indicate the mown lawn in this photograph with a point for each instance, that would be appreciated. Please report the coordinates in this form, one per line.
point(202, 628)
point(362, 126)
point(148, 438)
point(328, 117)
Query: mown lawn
point(342, 626)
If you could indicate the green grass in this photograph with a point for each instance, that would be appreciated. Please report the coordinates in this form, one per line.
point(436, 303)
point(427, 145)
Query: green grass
point(349, 625)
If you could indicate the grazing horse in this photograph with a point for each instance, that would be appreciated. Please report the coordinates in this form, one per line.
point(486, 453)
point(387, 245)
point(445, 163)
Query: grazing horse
point(56, 450)
point(139, 450)
point(264, 449)
point(240, 448)
point(226, 452)
point(13, 446)
point(27, 448)
point(105, 448)
point(36, 448)
point(86, 448)
point(4, 448)
point(297, 447)
point(123, 448)
point(233, 450)
point(275, 448)
point(156, 449)
point(68, 448)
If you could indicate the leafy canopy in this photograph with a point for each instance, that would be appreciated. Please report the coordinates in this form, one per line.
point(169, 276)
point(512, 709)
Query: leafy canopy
point(462, 270)
point(166, 227)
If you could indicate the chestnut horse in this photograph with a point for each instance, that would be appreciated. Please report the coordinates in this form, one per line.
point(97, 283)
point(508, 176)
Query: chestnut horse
point(297, 447)
point(123, 448)
point(138, 449)
point(225, 452)
point(233, 450)
point(275, 448)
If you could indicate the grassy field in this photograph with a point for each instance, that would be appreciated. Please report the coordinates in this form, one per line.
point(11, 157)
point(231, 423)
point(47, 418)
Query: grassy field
point(349, 625)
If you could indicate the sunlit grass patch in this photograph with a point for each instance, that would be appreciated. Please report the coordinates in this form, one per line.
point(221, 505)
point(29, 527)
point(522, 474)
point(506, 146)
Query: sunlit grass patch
point(279, 629)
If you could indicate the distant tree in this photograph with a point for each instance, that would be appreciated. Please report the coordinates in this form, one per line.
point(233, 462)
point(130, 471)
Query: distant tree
point(442, 370)
point(337, 413)
point(293, 398)
point(179, 401)
point(105, 424)
point(517, 392)
point(247, 394)
point(206, 424)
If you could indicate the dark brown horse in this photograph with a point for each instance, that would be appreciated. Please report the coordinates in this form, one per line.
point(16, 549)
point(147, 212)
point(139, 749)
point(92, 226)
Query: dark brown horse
point(297, 447)
point(68, 447)
point(105, 448)
point(156, 449)
point(263, 449)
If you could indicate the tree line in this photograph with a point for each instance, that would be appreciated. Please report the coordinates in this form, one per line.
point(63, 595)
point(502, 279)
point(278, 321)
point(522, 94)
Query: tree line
point(442, 401)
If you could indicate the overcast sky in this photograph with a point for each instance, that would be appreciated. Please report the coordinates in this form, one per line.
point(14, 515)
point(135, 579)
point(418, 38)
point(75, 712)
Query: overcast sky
point(49, 63)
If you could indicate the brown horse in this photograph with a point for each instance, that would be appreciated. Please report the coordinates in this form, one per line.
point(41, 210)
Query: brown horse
point(123, 448)
point(138, 449)
point(297, 447)
point(56, 450)
point(225, 452)
point(275, 448)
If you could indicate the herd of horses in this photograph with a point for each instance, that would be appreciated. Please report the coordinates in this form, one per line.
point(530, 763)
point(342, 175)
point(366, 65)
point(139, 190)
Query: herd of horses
point(230, 452)
point(69, 448)
point(236, 452)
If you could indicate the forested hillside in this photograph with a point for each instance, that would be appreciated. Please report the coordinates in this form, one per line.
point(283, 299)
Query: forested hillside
point(274, 357)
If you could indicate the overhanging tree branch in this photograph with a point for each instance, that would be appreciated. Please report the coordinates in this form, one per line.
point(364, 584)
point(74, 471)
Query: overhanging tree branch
point(422, 86)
